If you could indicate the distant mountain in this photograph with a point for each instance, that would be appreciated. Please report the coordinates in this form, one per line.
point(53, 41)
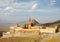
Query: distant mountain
point(52, 23)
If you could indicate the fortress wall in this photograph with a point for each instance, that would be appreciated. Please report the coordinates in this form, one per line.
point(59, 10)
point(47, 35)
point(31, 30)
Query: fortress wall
point(50, 30)
point(28, 30)
point(32, 31)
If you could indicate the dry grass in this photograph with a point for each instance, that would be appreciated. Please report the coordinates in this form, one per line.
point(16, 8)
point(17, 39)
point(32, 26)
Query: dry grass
point(54, 38)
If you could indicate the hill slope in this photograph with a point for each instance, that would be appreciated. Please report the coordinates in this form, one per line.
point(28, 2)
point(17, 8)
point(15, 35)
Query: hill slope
point(52, 23)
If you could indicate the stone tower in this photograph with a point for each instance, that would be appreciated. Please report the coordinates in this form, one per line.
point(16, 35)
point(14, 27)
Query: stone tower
point(28, 24)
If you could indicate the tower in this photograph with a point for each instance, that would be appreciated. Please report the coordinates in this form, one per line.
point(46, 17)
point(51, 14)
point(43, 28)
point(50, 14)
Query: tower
point(29, 23)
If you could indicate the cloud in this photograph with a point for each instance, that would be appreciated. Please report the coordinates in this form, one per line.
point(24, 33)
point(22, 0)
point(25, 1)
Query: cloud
point(18, 7)
point(8, 8)
point(24, 7)
point(57, 9)
point(5, 6)
point(34, 6)
point(52, 2)
point(5, 2)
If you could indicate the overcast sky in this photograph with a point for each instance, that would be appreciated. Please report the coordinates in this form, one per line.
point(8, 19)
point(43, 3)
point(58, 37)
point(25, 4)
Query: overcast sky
point(20, 10)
